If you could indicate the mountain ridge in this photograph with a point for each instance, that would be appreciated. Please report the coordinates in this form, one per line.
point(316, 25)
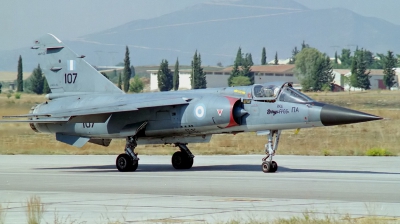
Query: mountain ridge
point(216, 30)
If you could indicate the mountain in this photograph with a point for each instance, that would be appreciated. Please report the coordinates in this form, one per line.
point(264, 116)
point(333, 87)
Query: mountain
point(216, 30)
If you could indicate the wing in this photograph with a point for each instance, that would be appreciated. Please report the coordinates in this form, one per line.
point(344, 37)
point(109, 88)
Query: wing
point(98, 114)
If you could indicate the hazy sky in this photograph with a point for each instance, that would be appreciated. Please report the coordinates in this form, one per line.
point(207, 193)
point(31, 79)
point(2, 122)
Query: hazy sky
point(23, 21)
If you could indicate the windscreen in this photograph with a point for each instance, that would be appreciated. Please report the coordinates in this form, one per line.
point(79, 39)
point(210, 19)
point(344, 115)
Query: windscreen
point(266, 91)
point(288, 94)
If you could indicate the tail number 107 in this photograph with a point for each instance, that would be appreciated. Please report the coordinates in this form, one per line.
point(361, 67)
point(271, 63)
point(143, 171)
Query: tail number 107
point(70, 77)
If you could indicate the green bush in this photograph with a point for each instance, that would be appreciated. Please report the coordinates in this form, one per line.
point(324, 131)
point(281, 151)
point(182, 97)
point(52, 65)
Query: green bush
point(9, 95)
point(326, 152)
point(378, 152)
point(17, 96)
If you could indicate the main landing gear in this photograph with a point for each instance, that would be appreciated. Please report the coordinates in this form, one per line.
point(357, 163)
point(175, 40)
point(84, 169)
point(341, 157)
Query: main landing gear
point(182, 159)
point(268, 165)
point(128, 161)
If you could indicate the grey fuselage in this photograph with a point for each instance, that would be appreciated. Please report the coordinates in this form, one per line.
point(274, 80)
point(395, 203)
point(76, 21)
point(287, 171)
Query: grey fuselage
point(207, 112)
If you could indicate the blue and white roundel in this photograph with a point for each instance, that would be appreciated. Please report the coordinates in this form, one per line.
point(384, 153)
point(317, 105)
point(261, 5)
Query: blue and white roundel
point(200, 111)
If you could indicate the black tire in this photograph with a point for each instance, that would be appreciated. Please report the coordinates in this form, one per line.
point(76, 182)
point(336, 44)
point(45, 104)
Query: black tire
point(266, 166)
point(135, 165)
point(177, 160)
point(274, 167)
point(124, 163)
point(188, 162)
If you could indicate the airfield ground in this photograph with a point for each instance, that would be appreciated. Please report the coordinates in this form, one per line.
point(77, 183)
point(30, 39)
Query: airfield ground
point(329, 190)
point(356, 139)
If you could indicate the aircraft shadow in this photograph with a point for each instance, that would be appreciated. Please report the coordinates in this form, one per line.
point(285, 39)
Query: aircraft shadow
point(150, 168)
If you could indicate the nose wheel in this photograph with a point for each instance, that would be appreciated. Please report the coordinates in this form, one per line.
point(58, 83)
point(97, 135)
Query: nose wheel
point(269, 166)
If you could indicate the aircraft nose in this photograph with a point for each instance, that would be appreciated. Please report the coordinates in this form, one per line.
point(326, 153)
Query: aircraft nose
point(335, 115)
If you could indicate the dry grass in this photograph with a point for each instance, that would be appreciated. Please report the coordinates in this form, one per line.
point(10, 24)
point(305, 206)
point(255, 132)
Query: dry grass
point(34, 210)
point(354, 139)
point(315, 220)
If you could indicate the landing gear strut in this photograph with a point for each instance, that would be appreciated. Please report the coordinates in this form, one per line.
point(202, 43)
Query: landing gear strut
point(182, 159)
point(128, 161)
point(268, 165)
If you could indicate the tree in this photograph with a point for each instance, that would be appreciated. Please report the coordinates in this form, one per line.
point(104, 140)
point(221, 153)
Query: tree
point(20, 81)
point(235, 73)
point(345, 58)
point(314, 69)
point(304, 45)
point(336, 58)
point(246, 68)
point(36, 80)
point(276, 62)
point(263, 57)
point(249, 59)
point(245, 64)
point(198, 76)
point(239, 57)
point(389, 70)
point(164, 77)
point(46, 88)
point(136, 85)
point(295, 51)
point(119, 81)
point(175, 80)
point(1, 85)
point(241, 81)
point(363, 75)
point(127, 70)
point(353, 79)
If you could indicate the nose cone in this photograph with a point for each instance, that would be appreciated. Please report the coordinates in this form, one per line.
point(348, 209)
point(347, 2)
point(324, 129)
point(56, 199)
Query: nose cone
point(334, 115)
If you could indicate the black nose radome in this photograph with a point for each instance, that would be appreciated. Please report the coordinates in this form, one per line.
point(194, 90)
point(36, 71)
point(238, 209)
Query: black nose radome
point(334, 115)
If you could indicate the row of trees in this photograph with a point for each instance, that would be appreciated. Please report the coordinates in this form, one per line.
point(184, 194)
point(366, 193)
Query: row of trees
point(314, 68)
point(241, 74)
point(168, 80)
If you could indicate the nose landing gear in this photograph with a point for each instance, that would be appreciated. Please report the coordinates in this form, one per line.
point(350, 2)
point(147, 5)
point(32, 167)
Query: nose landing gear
point(268, 165)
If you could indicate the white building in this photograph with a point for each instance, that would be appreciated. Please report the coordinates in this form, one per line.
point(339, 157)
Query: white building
point(376, 79)
point(184, 79)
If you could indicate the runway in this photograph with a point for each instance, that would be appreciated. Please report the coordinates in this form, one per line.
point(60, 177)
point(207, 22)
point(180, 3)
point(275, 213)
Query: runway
point(217, 188)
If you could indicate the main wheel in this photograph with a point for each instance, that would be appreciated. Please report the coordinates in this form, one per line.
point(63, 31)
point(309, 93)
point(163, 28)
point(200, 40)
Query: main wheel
point(135, 165)
point(266, 166)
point(124, 163)
point(178, 161)
point(188, 162)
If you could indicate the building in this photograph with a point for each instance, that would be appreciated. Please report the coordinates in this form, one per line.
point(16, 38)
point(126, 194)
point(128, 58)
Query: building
point(219, 78)
point(270, 73)
point(376, 79)
point(184, 79)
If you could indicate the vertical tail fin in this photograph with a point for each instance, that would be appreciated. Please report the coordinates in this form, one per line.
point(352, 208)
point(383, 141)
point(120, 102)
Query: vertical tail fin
point(66, 72)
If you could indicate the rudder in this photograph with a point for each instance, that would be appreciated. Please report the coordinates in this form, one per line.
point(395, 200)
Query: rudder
point(67, 72)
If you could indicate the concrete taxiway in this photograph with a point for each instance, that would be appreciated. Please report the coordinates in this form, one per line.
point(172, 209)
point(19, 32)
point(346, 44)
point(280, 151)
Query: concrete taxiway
point(217, 188)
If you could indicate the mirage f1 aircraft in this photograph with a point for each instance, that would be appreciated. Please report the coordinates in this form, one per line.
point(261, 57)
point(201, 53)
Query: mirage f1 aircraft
point(84, 106)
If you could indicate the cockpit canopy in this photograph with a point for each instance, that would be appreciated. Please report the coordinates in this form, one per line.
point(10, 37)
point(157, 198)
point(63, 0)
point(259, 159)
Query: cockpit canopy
point(279, 91)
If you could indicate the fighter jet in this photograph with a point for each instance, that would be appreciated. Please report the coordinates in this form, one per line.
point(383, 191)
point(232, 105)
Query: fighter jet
point(84, 106)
